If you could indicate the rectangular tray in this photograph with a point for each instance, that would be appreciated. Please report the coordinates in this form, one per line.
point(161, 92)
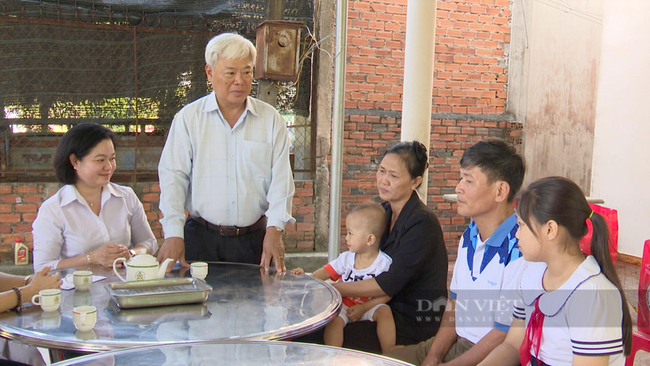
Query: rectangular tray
point(172, 291)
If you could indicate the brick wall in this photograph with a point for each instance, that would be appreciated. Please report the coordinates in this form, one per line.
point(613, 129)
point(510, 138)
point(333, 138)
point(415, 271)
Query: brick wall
point(18, 206)
point(19, 203)
point(470, 62)
point(469, 94)
point(299, 237)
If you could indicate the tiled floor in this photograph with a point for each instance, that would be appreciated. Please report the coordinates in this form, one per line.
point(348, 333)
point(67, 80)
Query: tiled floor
point(629, 276)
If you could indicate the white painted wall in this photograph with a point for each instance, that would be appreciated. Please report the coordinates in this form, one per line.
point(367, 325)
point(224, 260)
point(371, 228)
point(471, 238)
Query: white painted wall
point(554, 63)
point(621, 160)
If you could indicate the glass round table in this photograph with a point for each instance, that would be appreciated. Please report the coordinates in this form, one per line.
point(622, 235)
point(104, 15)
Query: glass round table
point(245, 304)
point(239, 353)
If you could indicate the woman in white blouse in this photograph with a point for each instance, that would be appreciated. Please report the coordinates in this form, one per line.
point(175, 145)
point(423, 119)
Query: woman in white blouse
point(89, 220)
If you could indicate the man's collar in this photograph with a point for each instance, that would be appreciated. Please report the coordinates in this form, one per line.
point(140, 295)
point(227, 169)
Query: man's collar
point(212, 105)
point(497, 237)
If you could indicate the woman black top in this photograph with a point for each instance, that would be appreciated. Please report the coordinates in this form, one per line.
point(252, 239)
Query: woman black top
point(417, 278)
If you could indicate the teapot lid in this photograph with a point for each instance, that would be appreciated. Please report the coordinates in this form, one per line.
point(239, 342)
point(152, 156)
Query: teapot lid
point(143, 260)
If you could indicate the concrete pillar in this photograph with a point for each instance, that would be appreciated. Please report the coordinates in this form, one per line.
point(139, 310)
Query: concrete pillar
point(338, 115)
point(418, 76)
point(322, 97)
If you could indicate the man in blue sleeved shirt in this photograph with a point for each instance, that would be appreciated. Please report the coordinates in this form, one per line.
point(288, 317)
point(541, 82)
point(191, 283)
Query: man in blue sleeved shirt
point(475, 322)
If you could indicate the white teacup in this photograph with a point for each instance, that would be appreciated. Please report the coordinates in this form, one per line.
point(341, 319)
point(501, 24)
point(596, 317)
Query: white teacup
point(84, 317)
point(80, 279)
point(49, 300)
point(199, 270)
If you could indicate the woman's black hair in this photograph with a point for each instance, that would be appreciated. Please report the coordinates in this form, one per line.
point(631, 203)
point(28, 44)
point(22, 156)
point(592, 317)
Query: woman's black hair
point(413, 154)
point(561, 200)
point(79, 140)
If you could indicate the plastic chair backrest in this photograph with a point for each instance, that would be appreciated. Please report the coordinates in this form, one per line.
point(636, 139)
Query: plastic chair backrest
point(643, 319)
point(611, 218)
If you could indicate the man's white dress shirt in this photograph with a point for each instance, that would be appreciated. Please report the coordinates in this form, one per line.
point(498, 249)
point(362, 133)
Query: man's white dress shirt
point(227, 176)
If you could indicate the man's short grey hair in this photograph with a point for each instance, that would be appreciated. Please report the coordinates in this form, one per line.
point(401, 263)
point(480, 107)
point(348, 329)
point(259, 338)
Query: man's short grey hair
point(231, 46)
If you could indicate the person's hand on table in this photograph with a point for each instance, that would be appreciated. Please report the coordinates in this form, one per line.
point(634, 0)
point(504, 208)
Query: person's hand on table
point(355, 312)
point(108, 253)
point(297, 271)
point(273, 248)
point(173, 248)
point(41, 280)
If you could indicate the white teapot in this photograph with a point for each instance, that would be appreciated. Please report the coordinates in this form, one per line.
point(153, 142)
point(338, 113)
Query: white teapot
point(142, 267)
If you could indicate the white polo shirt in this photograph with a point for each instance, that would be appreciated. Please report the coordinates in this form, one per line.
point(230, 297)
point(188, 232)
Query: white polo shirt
point(583, 317)
point(343, 268)
point(482, 270)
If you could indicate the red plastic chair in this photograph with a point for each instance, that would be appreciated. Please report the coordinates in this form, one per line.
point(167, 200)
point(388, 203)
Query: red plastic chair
point(611, 218)
point(641, 338)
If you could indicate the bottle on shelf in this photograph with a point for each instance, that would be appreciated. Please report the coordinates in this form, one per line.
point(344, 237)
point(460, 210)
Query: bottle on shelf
point(21, 256)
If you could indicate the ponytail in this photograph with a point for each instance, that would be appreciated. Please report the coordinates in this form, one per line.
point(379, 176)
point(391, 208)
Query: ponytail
point(600, 250)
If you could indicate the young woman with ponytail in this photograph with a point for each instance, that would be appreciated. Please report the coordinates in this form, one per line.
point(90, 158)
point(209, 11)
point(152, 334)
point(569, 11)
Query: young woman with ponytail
point(572, 310)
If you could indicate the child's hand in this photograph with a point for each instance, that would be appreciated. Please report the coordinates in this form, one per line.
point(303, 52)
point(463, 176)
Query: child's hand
point(297, 271)
point(355, 313)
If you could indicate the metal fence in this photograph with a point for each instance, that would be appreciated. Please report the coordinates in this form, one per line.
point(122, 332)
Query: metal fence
point(129, 68)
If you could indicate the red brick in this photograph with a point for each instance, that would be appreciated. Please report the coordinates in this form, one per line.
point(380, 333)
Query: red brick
point(304, 227)
point(395, 9)
point(10, 198)
point(26, 208)
point(150, 197)
point(11, 218)
point(303, 193)
point(10, 238)
point(24, 228)
point(29, 217)
point(26, 188)
point(5, 189)
point(359, 5)
point(33, 198)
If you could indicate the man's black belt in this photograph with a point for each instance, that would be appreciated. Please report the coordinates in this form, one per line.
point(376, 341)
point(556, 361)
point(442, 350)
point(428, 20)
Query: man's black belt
point(231, 230)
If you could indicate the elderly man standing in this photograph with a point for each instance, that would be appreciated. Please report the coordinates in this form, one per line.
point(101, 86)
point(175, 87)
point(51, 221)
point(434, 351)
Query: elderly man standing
point(226, 162)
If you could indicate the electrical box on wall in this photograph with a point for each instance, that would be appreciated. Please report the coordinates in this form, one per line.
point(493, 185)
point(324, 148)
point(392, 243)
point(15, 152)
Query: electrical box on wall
point(278, 50)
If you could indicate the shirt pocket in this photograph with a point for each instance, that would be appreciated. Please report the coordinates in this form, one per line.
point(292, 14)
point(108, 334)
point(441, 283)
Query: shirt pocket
point(257, 158)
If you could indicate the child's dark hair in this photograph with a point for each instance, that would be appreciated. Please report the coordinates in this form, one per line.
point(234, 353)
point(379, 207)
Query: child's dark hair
point(498, 161)
point(79, 140)
point(561, 200)
point(374, 217)
point(413, 154)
